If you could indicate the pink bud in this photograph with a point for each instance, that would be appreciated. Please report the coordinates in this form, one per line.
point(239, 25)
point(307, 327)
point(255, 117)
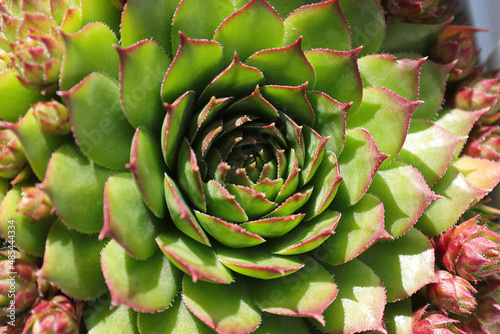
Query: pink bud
point(34, 203)
point(12, 158)
point(451, 293)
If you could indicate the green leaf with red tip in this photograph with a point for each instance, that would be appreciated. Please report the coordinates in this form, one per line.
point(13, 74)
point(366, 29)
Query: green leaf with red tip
point(399, 317)
point(258, 263)
point(234, 311)
point(253, 202)
point(383, 112)
point(146, 164)
point(181, 213)
point(400, 76)
point(457, 194)
point(28, 236)
point(189, 176)
point(208, 15)
point(37, 146)
point(176, 120)
point(257, 22)
point(253, 104)
point(308, 236)
point(404, 265)
point(306, 293)
point(292, 204)
point(207, 138)
point(16, 99)
point(146, 286)
point(294, 138)
point(72, 21)
point(275, 324)
point(358, 164)
point(142, 68)
point(223, 204)
point(206, 114)
point(176, 319)
point(322, 25)
point(330, 119)
point(360, 302)
point(101, 130)
point(101, 318)
point(206, 55)
point(125, 213)
point(480, 173)
point(143, 20)
point(292, 101)
point(270, 188)
point(367, 21)
point(429, 148)
point(71, 262)
point(275, 65)
point(229, 234)
point(236, 80)
point(79, 206)
point(360, 226)
point(273, 227)
point(101, 11)
point(330, 65)
point(196, 260)
point(405, 195)
point(314, 152)
point(89, 50)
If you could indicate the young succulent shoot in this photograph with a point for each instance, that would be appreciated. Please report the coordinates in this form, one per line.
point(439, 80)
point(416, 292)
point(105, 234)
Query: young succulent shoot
point(451, 293)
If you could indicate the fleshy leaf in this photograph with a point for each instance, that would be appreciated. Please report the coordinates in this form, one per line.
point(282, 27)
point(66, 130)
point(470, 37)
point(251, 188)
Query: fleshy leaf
point(360, 302)
point(221, 203)
point(142, 68)
point(483, 174)
point(193, 258)
point(358, 164)
point(71, 262)
point(309, 235)
point(205, 54)
point(234, 311)
point(146, 164)
point(314, 145)
point(322, 25)
point(253, 202)
point(273, 227)
point(404, 265)
point(258, 22)
point(304, 294)
point(101, 318)
point(405, 196)
point(99, 11)
point(16, 99)
point(292, 204)
point(399, 317)
point(330, 65)
point(360, 226)
point(125, 213)
point(89, 50)
point(145, 286)
point(275, 64)
point(253, 104)
point(258, 263)
point(226, 233)
point(101, 130)
point(275, 324)
point(189, 176)
point(79, 206)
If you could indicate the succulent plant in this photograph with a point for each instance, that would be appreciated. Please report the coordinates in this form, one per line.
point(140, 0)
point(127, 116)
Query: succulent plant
point(452, 293)
point(234, 166)
point(58, 316)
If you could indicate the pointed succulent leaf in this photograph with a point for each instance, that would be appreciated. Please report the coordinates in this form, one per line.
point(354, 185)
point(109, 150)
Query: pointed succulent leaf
point(360, 226)
point(405, 196)
point(292, 204)
point(102, 131)
point(273, 227)
point(358, 164)
point(189, 177)
point(330, 65)
point(254, 105)
point(270, 188)
point(400, 76)
point(367, 21)
point(404, 265)
point(253, 202)
point(229, 234)
point(275, 324)
point(72, 21)
point(79, 206)
point(399, 317)
point(314, 145)
point(429, 148)
point(256, 21)
point(89, 50)
point(101, 318)
point(181, 213)
point(142, 68)
point(234, 311)
point(205, 54)
point(292, 180)
point(146, 164)
point(144, 285)
point(99, 11)
point(322, 25)
point(193, 258)
point(29, 237)
point(142, 20)
point(274, 64)
point(125, 213)
point(482, 174)
point(176, 319)
point(360, 302)
point(308, 235)
point(306, 293)
point(208, 15)
point(71, 262)
point(221, 203)
point(258, 263)
point(205, 116)
point(16, 99)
